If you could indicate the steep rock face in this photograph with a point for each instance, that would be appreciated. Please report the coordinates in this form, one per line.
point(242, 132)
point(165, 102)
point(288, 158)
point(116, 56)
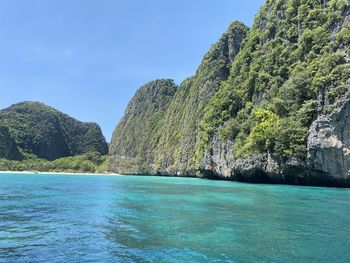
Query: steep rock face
point(8, 146)
point(291, 123)
point(271, 106)
point(49, 134)
point(329, 142)
point(172, 151)
point(220, 163)
point(177, 147)
point(132, 149)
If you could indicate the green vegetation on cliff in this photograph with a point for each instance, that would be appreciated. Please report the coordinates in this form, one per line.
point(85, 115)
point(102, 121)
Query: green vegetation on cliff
point(249, 108)
point(294, 64)
point(47, 133)
point(140, 130)
point(162, 139)
point(175, 151)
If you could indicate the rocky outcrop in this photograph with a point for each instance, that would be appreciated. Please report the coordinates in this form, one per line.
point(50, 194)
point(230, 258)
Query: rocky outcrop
point(329, 142)
point(219, 163)
point(322, 168)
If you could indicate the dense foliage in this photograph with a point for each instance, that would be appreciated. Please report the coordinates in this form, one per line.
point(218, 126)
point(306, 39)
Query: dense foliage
point(90, 162)
point(293, 65)
point(49, 134)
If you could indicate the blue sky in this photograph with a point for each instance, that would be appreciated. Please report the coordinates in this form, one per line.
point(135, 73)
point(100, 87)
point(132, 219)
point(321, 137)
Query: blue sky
point(88, 57)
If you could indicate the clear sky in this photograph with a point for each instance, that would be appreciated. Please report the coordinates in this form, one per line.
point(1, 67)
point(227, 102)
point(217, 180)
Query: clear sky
point(87, 57)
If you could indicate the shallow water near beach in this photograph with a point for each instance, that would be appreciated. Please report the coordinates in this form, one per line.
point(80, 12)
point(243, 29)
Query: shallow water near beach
point(84, 218)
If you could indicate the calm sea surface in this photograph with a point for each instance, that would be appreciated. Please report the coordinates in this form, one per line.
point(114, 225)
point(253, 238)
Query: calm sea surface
point(65, 218)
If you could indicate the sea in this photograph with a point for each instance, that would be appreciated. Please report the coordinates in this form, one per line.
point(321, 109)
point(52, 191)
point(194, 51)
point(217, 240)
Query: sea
point(102, 218)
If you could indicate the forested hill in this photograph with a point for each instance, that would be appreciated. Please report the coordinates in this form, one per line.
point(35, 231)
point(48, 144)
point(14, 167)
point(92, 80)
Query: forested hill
point(36, 129)
point(268, 104)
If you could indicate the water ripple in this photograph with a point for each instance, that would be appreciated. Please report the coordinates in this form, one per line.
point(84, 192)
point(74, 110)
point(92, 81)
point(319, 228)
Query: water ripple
point(145, 219)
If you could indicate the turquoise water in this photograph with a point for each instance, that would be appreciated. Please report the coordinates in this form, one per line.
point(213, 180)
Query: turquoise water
point(64, 218)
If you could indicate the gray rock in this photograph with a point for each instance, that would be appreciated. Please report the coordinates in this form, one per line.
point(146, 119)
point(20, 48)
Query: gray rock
point(329, 142)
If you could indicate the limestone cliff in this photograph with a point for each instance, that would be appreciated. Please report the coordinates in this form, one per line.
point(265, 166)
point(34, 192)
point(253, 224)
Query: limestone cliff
point(268, 105)
point(329, 143)
point(177, 145)
point(132, 149)
point(296, 130)
point(162, 139)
